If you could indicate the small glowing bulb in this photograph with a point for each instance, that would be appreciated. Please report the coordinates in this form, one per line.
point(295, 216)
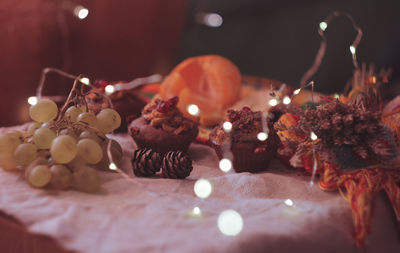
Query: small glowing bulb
point(85, 80)
point(297, 91)
point(323, 26)
point(213, 20)
point(313, 136)
point(230, 223)
point(352, 49)
point(336, 95)
point(196, 211)
point(113, 166)
point(32, 100)
point(81, 12)
point(288, 202)
point(110, 89)
point(227, 126)
point(287, 100)
point(202, 188)
point(262, 136)
point(273, 102)
point(225, 164)
point(193, 110)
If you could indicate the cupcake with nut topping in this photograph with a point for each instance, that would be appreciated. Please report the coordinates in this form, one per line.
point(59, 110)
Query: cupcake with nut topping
point(251, 152)
point(162, 127)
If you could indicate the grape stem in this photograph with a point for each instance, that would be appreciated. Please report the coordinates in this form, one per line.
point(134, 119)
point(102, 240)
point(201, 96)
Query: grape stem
point(47, 70)
point(75, 94)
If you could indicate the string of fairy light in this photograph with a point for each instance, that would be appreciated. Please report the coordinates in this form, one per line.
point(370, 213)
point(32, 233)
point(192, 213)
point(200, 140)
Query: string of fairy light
point(109, 89)
point(203, 187)
point(321, 51)
point(230, 222)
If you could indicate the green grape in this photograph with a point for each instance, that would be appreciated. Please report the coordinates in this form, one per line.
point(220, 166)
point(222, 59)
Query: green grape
point(38, 161)
point(43, 137)
point(76, 162)
point(39, 176)
point(25, 154)
point(32, 127)
point(68, 131)
point(89, 118)
point(72, 113)
point(44, 110)
point(90, 151)
point(61, 177)
point(108, 120)
point(9, 142)
point(63, 149)
point(90, 135)
point(85, 179)
point(16, 134)
point(7, 161)
point(116, 153)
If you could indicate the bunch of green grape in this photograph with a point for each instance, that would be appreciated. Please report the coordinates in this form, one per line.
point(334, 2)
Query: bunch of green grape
point(62, 149)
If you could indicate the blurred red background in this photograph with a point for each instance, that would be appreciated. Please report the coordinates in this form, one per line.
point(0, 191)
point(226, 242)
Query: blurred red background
point(119, 40)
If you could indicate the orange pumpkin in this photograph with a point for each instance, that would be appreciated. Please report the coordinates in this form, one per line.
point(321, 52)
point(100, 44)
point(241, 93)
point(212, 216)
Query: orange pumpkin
point(211, 82)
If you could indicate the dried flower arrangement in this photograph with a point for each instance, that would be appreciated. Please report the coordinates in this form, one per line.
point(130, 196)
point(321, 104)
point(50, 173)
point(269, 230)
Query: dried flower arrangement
point(351, 144)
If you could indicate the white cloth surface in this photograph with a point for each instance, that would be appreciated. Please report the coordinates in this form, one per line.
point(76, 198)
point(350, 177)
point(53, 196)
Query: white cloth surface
point(151, 214)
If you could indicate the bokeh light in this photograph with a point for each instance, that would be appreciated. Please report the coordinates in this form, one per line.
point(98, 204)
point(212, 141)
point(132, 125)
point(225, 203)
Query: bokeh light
point(323, 26)
point(32, 100)
point(225, 164)
point(288, 202)
point(109, 89)
point(196, 211)
point(313, 136)
point(81, 12)
point(262, 136)
point(286, 100)
point(113, 166)
point(193, 110)
point(213, 20)
point(202, 188)
point(273, 102)
point(85, 80)
point(227, 126)
point(352, 49)
point(230, 223)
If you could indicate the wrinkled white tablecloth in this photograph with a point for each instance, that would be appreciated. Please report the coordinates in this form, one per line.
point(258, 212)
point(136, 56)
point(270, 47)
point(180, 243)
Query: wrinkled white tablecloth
point(150, 214)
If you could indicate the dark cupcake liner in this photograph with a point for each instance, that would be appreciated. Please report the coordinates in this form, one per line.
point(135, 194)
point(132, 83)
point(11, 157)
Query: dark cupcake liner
point(249, 156)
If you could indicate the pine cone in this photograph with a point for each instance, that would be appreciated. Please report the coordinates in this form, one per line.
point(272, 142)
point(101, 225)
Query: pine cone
point(146, 162)
point(176, 164)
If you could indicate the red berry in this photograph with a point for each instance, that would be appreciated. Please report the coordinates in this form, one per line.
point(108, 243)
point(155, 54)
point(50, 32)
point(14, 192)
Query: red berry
point(173, 101)
point(246, 109)
point(166, 106)
point(163, 107)
point(233, 115)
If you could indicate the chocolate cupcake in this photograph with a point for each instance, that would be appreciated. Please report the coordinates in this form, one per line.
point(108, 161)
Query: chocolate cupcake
point(163, 128)
point(127, 103)
point(249, 153)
